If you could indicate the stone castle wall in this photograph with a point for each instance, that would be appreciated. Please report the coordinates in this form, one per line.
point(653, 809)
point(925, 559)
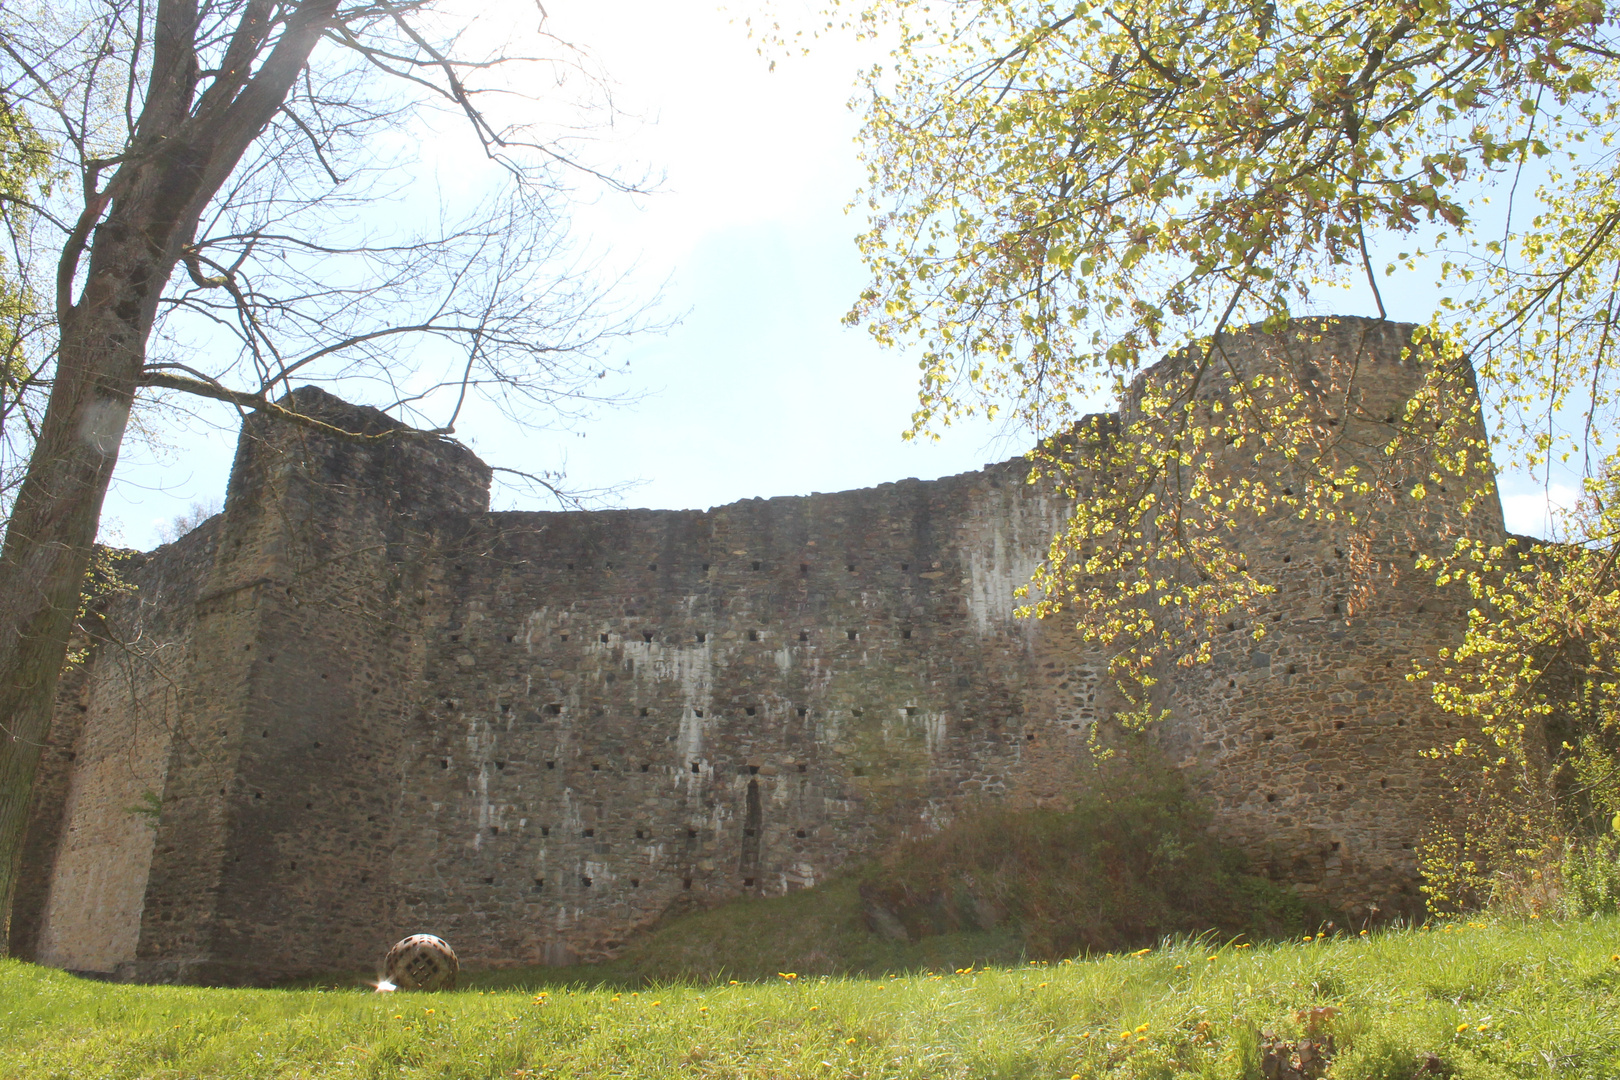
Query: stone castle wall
point(370, 707)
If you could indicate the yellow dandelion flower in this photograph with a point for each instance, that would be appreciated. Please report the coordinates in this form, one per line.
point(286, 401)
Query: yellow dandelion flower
point(1209, 958)
point(428, 1011)
point(733, 982)
point(656, 1004)
point(1364, 933)
point(1461, 1028)
point(1141, 952)
point(849, 1042)
point(1042, 984)
point(1141, 1038)
point(814, 1008)
point(1141, 1029)
point(1482, 1027)
point(703, 1008)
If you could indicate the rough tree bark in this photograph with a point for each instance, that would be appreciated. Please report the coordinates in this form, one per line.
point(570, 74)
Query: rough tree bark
point(134, 231)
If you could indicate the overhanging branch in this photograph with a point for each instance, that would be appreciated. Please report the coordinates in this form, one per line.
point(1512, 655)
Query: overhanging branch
point(164, 380)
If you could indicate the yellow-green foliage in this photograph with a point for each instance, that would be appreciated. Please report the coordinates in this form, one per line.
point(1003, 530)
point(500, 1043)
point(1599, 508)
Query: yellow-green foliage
point(1488, 1001)
point(1061, 194)
point(1537, 681)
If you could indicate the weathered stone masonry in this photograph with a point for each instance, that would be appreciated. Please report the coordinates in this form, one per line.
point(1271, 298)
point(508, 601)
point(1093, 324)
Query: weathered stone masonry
point(370, 707)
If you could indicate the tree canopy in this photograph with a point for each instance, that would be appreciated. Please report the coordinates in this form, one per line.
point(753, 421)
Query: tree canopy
point(1060, 194)
point(24, 163)
point(213, 228)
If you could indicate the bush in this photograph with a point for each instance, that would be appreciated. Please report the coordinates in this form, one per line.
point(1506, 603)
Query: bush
point(1131, 862)
point(1591, 873)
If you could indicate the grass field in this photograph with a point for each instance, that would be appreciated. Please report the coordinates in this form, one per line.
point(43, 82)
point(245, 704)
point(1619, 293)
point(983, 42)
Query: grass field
point(1473, 1000)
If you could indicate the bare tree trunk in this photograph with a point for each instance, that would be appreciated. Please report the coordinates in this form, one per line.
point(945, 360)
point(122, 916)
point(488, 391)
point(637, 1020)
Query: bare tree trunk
point(134, 229)
point(47, 549)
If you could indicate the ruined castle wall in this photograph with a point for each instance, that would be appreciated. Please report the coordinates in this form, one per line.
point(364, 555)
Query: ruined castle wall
point(1305, 729)
point(278, 812)
point(93, 878)
point(622, 712)
point(538, 733)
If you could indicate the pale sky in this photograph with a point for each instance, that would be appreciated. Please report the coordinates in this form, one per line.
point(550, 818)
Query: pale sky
point(759, 390)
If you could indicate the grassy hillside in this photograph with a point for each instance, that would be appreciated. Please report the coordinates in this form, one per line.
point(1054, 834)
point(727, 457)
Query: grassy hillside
point(820, 931)
point(1467, 1001)
point(1131, 863)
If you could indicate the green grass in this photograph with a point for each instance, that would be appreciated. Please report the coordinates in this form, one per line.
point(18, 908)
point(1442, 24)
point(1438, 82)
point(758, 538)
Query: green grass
point(1537, 999)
